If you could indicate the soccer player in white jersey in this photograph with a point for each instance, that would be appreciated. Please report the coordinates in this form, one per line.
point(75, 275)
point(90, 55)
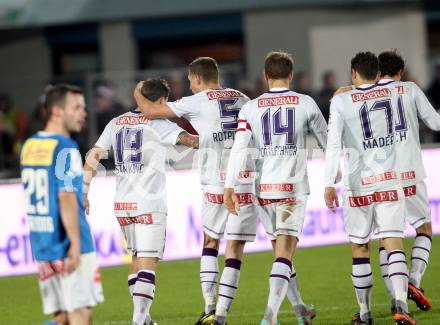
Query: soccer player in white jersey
point(213, 112)
point(412, 104)
point(277, 122)
point(140, 201)
point(361, 121)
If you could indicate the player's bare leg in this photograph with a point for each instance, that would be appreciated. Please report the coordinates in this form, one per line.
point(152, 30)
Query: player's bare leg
point(209, 278)
point(80, 316)
point(229, 279)
point(419, 261)
point(398, 274)
point(144, 288)
point(60, 318)
point(280, 276)
point(362, 278)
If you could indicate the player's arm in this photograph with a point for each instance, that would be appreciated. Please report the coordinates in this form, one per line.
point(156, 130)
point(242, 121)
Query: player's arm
point(69, 217)
point(237, 159)
point(93, 157)
point(317, 124)
point(342, 90)
point(188, 140)
point(425, 110)
point(333, 153)
point(149, 109)
point(91, 164)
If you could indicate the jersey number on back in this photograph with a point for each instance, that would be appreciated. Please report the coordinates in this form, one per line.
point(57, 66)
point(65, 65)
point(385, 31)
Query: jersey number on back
point(273, 125)
point(36, 183)
point(129, 141)
point(228, 113)
point(384, 105)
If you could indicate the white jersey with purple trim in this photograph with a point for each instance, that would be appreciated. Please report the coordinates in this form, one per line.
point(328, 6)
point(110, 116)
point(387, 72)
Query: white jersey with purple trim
point(213, 114)
point(140, 154)
point(278, 122)
point(362, 120)
point(412, 104)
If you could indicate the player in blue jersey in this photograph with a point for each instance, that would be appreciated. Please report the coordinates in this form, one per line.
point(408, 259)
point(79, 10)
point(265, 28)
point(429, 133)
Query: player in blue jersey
point(61, 241)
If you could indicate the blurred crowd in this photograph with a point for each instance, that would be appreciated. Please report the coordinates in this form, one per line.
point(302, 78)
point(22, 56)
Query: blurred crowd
point(16, 125)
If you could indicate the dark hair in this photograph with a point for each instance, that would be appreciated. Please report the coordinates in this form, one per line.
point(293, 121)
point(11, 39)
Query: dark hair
point(155, 88)
point(366, 64)
point(56, 95)
point(390, 63)
point(278, 65)
point(206, 68)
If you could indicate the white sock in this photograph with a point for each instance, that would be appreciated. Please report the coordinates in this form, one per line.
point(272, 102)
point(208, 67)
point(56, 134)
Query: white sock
point(131, 282)
point(292, 290)
point(383, 256)
point(362, 278)
point(420, 257)
point(227, 288)
point(209, 277)
point(278, 283)
point(398, 273)
point(143, 295)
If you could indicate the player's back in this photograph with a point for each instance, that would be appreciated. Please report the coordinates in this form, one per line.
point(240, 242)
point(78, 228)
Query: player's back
point(369, 136)
point(407, 131)
point(140, 154)
point(280, 121)
point(51, 163)
point(213, 113)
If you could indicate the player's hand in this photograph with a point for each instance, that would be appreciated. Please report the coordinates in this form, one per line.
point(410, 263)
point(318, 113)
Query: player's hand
point(73, 258)
point(86, 204)
point(230, 201)
point(331, 198)
point(342, 90)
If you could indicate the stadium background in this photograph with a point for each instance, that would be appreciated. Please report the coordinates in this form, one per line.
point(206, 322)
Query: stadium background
point(106, 46)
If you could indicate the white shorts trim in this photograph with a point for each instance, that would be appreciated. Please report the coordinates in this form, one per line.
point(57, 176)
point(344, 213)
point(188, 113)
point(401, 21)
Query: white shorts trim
point(67, 292)
point(146, 238)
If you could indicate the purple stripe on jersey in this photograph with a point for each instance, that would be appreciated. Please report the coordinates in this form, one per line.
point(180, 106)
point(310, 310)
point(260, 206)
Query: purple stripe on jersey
point(277, 91)
point(284, 261)
point(132, 281)
point(361, 276)
point(147, 276)
point(142, 295)
point(396, 252)
point(361, 260)
point(367, 88)
point(385, 83)
point(424, 235)
point(210, 252)
point(280, 276)
point(234, 263)
point(293, 275)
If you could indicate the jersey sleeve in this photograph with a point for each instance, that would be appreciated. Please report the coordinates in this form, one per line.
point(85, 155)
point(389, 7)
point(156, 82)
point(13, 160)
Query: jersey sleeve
point(317, 124)
point(184, 106)
point(425, 110)
point(238, 156)
point(334, 142)
point(105, 139)
point(168, 132)
point(68, 167)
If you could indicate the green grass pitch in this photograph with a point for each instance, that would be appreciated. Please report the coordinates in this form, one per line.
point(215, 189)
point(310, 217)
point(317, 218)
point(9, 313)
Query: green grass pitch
point(324, 279)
